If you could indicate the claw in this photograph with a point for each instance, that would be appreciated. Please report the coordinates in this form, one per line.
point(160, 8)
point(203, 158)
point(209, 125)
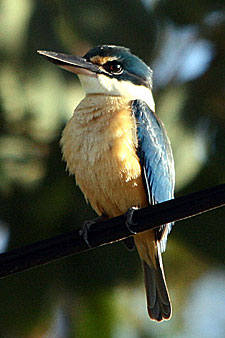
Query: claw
point(86, 228)
point(129, 221)
point(84, 232)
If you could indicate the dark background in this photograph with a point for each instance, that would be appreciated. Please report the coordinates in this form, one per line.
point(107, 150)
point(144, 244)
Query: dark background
point(100, 293)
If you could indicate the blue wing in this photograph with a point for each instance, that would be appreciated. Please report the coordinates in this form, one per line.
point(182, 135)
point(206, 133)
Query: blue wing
point(156, 158)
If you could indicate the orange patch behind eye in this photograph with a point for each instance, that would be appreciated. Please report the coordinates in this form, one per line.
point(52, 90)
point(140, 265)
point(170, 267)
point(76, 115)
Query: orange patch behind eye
point(101, 60)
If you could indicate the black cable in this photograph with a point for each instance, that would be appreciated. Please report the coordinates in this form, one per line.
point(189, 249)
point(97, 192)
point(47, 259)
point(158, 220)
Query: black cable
point(111, 230)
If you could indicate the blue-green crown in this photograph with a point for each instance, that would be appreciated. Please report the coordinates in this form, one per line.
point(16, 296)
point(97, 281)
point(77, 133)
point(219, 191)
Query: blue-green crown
point(134, 69)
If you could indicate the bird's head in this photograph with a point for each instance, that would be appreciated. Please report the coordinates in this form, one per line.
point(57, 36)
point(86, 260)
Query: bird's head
point(109, 70)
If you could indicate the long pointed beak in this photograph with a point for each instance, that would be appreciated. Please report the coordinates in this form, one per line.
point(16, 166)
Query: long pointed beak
point(74, 64)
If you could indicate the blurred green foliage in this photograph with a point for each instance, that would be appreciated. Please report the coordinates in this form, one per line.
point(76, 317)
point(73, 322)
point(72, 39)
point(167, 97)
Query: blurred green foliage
point(99, 292)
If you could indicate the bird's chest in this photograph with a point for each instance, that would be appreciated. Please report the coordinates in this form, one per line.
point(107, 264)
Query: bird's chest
point(99, 146)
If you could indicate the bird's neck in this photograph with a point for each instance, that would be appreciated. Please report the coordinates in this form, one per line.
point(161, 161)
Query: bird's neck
point(111, 87)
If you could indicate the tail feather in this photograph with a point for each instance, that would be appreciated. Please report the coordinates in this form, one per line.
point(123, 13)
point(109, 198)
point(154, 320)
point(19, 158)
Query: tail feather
point(158, 301)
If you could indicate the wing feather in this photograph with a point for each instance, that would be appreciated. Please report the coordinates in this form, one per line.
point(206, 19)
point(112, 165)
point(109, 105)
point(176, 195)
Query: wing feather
point(156, 158)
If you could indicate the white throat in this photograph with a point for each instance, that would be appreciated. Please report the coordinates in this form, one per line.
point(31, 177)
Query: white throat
point(102, 84)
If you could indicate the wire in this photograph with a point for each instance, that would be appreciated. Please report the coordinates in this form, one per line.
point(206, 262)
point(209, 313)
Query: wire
point(111, 230)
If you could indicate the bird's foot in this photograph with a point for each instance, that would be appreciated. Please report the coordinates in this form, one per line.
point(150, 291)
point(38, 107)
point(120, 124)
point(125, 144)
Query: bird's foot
point(129, 220)
point(86, 228)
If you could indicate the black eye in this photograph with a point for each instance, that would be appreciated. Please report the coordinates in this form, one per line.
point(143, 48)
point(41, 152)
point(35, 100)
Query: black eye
point(113, 67)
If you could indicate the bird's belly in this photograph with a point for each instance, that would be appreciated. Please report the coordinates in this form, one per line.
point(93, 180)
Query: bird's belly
point(111, 186)
point(102, 155)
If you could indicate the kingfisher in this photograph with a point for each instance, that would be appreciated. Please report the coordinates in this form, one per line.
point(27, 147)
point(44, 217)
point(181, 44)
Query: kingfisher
point(120, 153)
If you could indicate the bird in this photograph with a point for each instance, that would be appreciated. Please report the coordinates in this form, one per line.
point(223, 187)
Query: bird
point(119, 151)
